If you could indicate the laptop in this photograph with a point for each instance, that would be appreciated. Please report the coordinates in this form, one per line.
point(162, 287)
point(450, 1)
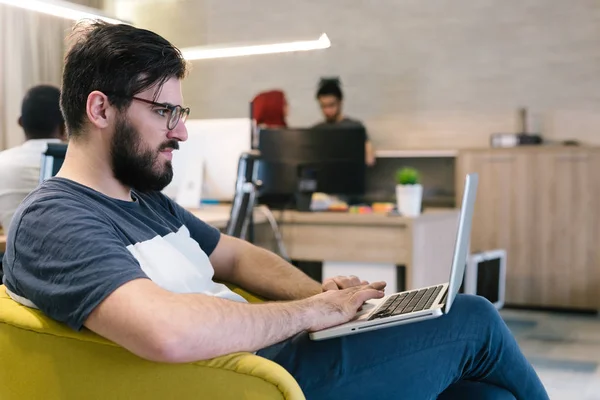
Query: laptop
point(419, 304)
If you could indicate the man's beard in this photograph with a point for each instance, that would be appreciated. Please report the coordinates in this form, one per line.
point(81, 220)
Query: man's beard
point(134, 164)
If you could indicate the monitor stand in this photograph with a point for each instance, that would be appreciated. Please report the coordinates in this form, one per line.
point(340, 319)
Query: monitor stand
point(303, 201)
point(307, 185)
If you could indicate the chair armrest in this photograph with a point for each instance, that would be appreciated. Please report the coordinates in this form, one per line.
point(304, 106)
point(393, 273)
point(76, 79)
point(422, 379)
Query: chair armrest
point(55, 362)
point(257, 367)
point(250, 297)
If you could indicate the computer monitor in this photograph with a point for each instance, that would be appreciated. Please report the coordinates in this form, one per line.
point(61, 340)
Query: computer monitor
point(295, 163)
point(52, 160)
point(205, 166)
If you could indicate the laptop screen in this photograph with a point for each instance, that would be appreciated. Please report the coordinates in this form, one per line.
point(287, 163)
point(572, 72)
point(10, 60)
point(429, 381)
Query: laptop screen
point(461, 248)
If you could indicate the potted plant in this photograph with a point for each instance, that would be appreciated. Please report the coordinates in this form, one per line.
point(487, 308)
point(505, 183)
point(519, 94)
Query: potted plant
point(409, 192)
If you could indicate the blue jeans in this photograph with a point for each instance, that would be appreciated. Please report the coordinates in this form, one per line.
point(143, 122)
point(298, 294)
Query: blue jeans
point(469, 353)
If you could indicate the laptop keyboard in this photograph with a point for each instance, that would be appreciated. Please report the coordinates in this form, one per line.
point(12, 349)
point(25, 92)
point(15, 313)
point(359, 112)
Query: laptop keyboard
point(406, 302)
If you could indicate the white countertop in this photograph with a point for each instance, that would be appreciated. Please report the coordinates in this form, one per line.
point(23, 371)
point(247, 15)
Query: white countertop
point(423, 153)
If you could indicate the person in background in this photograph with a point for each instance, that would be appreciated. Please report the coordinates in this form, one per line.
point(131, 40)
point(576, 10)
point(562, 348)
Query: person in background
point(42, 123)
point(270, 109)
point(331, 99)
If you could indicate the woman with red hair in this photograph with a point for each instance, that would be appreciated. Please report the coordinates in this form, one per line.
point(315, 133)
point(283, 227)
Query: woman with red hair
point(269, 109)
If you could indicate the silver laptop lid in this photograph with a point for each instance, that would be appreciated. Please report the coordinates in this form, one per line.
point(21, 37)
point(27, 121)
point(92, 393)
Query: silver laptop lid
point(461, 247)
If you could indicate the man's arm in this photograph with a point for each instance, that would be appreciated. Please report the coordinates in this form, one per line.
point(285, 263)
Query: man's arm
point(369, 153)
point(260, 271)
point(162, 326)
point(253, 268)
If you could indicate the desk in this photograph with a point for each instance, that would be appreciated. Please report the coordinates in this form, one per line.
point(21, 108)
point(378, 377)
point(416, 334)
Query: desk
point(424, 245)
point(2, 242)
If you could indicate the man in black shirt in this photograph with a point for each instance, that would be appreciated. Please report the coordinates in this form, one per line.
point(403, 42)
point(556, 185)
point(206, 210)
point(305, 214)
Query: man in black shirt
point(330, 98)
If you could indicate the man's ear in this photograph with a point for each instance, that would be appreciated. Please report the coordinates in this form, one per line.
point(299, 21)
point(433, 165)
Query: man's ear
point(98, 109)
point(20, 121)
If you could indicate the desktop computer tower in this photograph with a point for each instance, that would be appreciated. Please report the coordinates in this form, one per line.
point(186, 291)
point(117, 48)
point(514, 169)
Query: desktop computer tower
point(485, 275)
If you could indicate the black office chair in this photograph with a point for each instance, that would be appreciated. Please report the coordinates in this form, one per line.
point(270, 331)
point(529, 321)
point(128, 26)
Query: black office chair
point(246, 186)
point(52, 160)
point(240, 223)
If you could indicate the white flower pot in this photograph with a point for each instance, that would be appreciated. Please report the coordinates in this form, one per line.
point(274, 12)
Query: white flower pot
point(408, 199)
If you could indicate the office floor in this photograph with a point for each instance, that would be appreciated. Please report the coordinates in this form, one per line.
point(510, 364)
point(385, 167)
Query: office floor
point(563, 348)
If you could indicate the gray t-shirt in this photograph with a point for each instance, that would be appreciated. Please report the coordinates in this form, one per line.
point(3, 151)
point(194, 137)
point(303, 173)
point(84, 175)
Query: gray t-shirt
point(70, 246)
point(344, 122)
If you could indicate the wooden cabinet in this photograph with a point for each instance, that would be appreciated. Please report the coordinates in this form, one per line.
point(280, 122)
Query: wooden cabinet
point(543, 206)
point(566, 239)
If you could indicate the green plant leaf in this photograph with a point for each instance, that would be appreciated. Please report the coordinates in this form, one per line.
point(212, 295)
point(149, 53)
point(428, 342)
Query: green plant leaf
point(407, 176)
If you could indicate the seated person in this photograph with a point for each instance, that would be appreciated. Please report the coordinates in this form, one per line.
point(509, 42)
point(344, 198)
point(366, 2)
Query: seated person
point(134, 267)
point(330, 98)
point(42, 123)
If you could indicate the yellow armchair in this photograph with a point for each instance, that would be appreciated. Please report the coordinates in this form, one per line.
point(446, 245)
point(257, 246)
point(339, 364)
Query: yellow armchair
point(43, 359)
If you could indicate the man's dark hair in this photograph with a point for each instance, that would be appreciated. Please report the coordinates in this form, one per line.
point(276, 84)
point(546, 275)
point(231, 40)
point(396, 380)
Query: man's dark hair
point(118, 60)
point(40, 112)
point(330, 87)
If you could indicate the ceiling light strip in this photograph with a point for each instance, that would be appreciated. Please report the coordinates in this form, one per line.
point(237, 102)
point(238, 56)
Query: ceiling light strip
point(205, 52)
point(62, 9)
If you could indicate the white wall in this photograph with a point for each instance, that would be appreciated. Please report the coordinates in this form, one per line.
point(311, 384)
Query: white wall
point(438, 73)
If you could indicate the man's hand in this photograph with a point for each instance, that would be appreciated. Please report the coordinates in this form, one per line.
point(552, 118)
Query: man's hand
point(342, 282)
point(334, 307)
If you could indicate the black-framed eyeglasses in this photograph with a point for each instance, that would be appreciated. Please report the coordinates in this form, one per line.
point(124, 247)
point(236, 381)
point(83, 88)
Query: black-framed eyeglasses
point(176, 112)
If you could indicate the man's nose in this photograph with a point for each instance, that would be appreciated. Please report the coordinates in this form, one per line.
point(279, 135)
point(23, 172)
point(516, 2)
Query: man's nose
point(179, 133)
